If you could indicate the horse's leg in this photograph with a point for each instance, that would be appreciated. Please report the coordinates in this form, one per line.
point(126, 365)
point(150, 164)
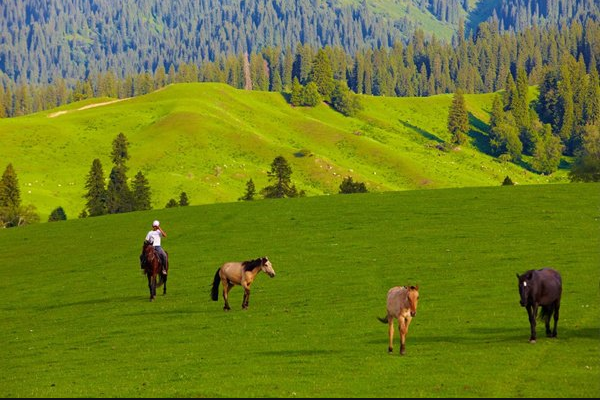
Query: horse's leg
point(391, 334)
point(165, 284)
point(547, 316)
point(226, 287)
point(150, 286)
point(246, 296)
point(532, 313)
point(403, 326)
point(556, 309)
point(153, 287)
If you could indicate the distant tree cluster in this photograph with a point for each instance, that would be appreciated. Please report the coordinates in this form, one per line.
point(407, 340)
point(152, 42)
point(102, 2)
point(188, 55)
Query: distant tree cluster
point(117, 196)
point(12, 212)
point(349, 186)
point(281, 183)
point(564, 120)
point(183, 201)
point(280, 176)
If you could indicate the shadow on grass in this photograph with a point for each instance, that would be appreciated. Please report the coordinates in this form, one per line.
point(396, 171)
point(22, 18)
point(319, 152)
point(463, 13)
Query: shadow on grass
point(480, 141)
point(91, 302)
point(299, 353)
point(422, 132)
point(499, 335)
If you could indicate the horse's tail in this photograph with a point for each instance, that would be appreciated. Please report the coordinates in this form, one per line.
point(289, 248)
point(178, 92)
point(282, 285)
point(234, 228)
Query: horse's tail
point(384, 320)
point(214, 292)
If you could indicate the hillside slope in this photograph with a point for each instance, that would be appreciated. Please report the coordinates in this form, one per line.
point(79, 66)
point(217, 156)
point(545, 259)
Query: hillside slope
point(208, 140)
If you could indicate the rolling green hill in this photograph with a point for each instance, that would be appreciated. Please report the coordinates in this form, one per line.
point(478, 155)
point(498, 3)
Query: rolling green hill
point(76, 320)
point(209, 139)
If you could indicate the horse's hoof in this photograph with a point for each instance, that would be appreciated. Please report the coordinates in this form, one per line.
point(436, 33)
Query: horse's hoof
point(532, 341)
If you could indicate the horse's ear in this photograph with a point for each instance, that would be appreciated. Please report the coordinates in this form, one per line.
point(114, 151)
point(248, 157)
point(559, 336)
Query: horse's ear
point(518, 276)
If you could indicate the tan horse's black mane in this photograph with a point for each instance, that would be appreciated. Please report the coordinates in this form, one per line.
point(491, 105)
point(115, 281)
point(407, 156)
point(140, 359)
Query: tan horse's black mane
point(251, 264)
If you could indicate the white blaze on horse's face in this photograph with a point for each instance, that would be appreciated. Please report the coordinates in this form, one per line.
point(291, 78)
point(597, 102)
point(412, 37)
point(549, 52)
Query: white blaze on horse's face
point(267, 267)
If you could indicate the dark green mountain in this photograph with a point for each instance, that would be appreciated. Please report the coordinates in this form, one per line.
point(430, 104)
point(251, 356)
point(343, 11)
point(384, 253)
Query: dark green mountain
point(41, 40)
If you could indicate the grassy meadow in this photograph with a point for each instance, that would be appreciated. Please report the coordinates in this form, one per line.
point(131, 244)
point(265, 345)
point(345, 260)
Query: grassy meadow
point(77, 321)
point(209, 139)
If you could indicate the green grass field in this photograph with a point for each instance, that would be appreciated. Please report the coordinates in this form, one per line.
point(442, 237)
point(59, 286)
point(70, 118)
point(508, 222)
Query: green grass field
point(76, 320)
point(209, 139)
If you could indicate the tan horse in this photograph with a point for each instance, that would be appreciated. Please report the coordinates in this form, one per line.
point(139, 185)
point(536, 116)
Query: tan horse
point(239, 273)
point(402, 305)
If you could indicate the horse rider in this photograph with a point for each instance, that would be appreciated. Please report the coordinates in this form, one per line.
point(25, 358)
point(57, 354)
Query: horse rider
point(154, 236)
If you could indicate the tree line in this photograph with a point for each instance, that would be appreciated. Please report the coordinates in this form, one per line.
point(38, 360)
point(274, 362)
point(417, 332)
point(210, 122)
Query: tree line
point(118, 196)
point(280, 176)
point(43, 40)
point(420, 66)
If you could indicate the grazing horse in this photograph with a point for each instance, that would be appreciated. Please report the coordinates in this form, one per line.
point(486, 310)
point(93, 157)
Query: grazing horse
point(239, 273)
point(402, 305)
point(542, 287)
point(152, 265)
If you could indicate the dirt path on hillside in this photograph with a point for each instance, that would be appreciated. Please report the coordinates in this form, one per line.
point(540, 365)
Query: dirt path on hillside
point(56, 114)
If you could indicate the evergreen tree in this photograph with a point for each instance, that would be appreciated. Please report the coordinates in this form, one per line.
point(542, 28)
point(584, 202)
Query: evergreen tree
point(160, 77)
point(280, 175)
point(567, 109)
point(120, 153)
point(591, 111)
point(2, 102)
point(250, 191)
point(119, 196)
point(586, 167)
point(349, 186)
point(310, 95)
point(10, 198)
point(322, 75)
point(507, 181)
point(458, 119)
point(141, 193)
point(183, 199)
point(548, 100)
point(296, 96)
point(548, 151)
point(343, 100)
point(10, 194)
point(172, 203)
point(520, 103)
point(12, 214)
point(96, 195)
point(58, 214)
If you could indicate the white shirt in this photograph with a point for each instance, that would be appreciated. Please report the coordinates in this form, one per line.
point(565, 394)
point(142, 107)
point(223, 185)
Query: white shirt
point(154, 237)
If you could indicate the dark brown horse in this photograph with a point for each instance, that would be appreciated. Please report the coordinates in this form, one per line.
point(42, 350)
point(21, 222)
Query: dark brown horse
point(239, 273)
point(542, 287)
point(402, 305)
point(153, 267)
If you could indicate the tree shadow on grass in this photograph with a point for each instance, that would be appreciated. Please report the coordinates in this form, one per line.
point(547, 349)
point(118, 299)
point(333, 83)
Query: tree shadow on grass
point(480, 140)
point(422, 132)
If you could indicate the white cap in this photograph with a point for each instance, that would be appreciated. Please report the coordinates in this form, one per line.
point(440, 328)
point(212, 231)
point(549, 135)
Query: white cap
point(156, 223)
